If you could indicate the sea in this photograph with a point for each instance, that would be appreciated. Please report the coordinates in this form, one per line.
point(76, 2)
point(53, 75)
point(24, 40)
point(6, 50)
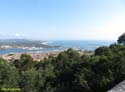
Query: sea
point(63, 45)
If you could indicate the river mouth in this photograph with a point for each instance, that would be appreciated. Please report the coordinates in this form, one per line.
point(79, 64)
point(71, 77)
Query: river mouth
point(23, 46)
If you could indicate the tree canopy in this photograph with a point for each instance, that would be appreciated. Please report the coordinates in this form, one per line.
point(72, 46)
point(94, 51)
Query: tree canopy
point(121, 39)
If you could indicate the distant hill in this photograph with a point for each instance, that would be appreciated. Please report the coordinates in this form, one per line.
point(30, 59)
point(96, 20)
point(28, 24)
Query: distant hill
point(24, 43)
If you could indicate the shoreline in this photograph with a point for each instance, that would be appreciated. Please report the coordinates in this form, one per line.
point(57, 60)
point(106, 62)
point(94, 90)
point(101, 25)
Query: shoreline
point(39, 55)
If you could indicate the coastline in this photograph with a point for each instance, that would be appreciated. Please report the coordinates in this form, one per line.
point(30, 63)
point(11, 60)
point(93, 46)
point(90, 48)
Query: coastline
point(37, 56)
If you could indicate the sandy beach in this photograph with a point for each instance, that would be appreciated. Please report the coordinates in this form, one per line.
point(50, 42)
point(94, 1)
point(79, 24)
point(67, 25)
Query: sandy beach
point(37, 56)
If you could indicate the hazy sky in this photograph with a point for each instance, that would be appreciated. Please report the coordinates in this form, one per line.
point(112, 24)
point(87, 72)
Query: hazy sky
point(62, 19)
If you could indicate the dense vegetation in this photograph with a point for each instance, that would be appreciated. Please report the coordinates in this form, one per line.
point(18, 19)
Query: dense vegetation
point(121, 39)
point(68, 72)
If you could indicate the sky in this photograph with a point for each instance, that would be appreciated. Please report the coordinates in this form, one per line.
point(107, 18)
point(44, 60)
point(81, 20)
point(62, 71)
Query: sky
point(62, 19)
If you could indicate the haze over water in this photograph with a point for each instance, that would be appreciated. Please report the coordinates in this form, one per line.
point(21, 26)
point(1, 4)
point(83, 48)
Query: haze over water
point(81, 22)
point(78, 44)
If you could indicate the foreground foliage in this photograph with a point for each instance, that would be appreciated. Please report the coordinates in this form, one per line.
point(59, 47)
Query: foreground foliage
point(68, 72)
